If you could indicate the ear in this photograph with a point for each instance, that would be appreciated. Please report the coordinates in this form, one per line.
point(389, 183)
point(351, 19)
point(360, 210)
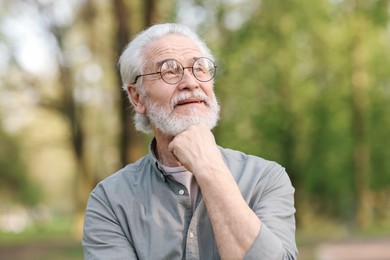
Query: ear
point(135, 99)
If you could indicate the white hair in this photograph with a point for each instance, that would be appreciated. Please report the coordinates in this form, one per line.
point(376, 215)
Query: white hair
point(132, 61)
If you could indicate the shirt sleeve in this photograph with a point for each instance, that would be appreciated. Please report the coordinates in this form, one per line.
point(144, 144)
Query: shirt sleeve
point(275, 209)
point(103, 237)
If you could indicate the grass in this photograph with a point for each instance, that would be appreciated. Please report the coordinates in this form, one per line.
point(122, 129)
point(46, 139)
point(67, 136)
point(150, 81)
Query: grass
point(316, 232)
point(56, 241)
point(53, 241)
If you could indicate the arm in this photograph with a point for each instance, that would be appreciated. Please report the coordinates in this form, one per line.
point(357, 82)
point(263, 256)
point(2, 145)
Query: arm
point(267, 231)
point(233, 222)
point(103, 237)
point(276, 210)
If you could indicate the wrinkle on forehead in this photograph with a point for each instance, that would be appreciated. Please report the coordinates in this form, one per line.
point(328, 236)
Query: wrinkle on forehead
point(176, 47)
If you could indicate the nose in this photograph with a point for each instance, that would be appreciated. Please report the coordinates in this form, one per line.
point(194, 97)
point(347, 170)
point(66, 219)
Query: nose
point(188, 81)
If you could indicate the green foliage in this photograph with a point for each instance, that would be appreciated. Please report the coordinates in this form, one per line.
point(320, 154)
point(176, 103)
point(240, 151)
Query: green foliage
point(285, 84)
point(54, 240)
point(15, 185)
point(285, 77)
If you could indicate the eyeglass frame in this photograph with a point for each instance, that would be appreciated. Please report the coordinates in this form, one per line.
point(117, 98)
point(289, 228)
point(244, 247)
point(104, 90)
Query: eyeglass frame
point(191, 67)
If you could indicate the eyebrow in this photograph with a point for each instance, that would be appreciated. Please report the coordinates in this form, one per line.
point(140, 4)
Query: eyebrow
point(160, 63)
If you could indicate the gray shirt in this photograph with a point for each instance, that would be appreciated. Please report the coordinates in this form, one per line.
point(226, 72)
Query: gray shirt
point(142, 213)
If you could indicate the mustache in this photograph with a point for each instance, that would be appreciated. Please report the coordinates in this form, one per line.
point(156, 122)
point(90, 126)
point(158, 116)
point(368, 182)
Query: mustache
point(196, 95)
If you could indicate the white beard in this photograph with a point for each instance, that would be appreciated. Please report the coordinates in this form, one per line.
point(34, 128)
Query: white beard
point(168, 122)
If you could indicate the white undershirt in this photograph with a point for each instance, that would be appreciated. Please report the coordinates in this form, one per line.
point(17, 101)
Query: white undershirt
point(185, 177)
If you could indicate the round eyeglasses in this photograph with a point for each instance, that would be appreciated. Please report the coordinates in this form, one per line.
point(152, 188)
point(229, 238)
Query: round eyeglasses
point(172, 72)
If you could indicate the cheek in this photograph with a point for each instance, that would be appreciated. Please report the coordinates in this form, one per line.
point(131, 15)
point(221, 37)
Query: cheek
point(208, 90)
point(163, 98)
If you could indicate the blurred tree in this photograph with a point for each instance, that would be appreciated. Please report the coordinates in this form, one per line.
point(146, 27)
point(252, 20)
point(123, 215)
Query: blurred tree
point(79, 54)
point(129, 139)
point(67, 105)
point(15, 184)
point(379, 109)
point(359, 82)
point(131, 142)
point(367, 25)
point(265, 56)
point(305, 70)
point(304, 83)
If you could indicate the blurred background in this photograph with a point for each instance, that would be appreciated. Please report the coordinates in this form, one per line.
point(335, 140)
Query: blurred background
point(305, 83)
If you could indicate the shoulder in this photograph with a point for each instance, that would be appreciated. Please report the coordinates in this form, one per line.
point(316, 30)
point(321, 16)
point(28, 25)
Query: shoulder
point(253, 167)
point(125, 177)
point(238, 158)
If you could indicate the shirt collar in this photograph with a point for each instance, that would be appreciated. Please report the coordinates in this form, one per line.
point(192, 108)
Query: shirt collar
point(153, 158)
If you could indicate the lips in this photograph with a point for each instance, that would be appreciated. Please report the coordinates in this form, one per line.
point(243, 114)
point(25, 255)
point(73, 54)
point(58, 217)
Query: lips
point(189, 101)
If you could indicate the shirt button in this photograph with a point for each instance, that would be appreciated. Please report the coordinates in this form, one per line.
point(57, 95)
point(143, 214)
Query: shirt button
point(181, 192)
point(191, 235)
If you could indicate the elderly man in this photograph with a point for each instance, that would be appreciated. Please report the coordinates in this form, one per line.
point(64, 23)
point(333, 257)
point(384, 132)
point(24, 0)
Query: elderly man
point(188, 198)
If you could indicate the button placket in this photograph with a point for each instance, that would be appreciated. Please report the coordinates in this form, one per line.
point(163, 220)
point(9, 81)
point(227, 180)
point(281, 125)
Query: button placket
point(192, 247)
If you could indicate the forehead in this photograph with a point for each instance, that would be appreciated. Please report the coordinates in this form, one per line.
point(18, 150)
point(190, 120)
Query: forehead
point(176, 47)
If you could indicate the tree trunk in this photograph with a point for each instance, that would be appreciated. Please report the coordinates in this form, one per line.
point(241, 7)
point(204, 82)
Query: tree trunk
point(73, 112)
point(150, 12)
point(361, 162)
point(131, 143)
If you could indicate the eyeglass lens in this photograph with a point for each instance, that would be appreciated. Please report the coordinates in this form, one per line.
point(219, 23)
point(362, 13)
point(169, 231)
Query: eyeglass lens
point(172, 71)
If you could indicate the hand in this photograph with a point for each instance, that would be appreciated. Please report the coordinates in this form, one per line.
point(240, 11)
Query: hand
point(195, 149)
point(233, 222)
